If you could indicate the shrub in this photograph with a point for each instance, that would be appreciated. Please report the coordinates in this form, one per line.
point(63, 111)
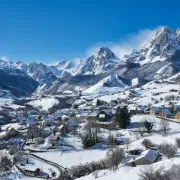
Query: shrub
point(112, 140)
point(178, 142)
point(114, 157)
point(147, 143)
point(169, 150)
point(149, 173)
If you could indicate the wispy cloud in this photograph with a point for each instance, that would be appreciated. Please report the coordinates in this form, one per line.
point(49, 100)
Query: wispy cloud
point(125, 45)
point(4, 58)
point(120, 48)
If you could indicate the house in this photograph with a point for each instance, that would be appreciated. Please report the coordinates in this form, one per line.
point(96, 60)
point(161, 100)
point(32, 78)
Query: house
point(31, 170)
point(165, 113)
point(83, 116)
point(154, 111)
point(72, 125)
point(86, 108)
point(177, 115)
point(132, 109)
point(105, 115)
point(147, 110)
point(147, 157)
point(176, 108)
point(141, 109)
point(93, 115)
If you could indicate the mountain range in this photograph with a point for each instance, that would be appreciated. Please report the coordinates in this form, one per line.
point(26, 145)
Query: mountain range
point(158, 58)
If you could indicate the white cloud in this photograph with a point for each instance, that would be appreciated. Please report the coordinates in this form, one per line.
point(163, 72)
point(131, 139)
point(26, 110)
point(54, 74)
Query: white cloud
point(4, 58)
point(125, 45)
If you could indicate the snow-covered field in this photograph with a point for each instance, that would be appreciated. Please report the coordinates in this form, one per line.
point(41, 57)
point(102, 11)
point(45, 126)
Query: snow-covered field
point(151, 93)
point(44, 103)
point(68, 159)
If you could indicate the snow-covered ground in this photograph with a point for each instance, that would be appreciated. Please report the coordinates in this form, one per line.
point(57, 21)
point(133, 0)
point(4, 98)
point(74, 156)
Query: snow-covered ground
point(68, 159)
point(8, 102)
point(44, 103)
point(154, 93)
point(80, 156)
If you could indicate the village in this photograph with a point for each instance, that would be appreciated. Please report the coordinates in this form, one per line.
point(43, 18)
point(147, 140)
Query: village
point(38, 136)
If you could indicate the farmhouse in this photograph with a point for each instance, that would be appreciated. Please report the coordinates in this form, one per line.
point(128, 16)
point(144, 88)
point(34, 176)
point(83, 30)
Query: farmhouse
point(176, 108)
point(132, 109)
point(154, 111)
point(93, 115)
point(105, 115)
point(165, 113)
point(32, 171)
point(147, 157)
point(177, 115)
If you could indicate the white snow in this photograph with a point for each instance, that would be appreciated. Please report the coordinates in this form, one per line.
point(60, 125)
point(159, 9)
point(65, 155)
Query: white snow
point(44, 103)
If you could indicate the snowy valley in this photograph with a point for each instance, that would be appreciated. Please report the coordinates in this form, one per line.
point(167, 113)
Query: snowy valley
point(105, 117)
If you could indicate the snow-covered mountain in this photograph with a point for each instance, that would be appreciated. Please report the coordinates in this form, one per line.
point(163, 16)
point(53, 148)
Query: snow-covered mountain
point(105, 60)
point(158, 58)
point(111, 83)
point(40, 72)
point(161, 46)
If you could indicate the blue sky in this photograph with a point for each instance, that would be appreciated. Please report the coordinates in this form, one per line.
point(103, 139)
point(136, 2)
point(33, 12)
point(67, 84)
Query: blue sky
point(53, 30)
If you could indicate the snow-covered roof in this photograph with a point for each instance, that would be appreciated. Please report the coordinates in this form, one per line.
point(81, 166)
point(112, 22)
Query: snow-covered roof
point(167, 112)
point(93, 114)
point(30, 168)
point(132, 107)
point(84, 114)
point(101, 115)
point(155, 109)
point(72, 124)
point(47, 128)
point(33, 116)
point(177, 106)
point(149, 154)
point(107, 112)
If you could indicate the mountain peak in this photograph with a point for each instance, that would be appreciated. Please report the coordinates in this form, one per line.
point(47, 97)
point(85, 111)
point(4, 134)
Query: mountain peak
point(107, 53)
point(163, 43)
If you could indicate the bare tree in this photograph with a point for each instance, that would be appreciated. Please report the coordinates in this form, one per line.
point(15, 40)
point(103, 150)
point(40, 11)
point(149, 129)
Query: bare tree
point(19, 157)
point(178, 142)
point(111, 140)
point(149, 173)
point(169, 150)
point(114, 157)
point(5, 162)
point(164, 126)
